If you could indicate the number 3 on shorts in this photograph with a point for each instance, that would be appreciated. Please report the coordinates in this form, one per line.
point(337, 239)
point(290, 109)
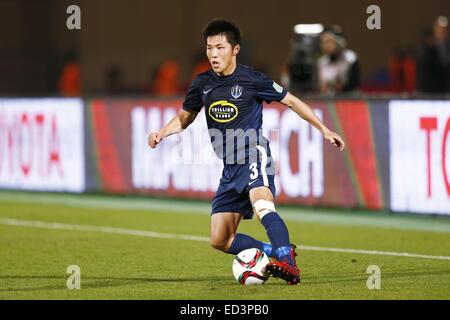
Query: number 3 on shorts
point(254, 169)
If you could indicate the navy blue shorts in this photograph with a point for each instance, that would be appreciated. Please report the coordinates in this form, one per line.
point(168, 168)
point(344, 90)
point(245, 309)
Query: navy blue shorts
point(237, 180)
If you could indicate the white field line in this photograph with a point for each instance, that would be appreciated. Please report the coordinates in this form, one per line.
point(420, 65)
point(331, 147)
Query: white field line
point(374, 252)
point(412, 222)
point(150, 234)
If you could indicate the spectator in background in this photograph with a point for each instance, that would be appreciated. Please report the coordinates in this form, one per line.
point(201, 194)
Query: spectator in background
point(70, 81)
point(114, 79)
point(338, 68)
point(201, 64)
point(167, 82)
point(434, 59)
point(402, 70)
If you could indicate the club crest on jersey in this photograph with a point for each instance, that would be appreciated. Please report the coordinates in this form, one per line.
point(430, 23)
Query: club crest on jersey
point(236, 91)
point(222, 111)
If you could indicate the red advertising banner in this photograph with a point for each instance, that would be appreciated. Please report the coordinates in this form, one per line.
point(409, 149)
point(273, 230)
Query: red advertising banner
point(309, 170)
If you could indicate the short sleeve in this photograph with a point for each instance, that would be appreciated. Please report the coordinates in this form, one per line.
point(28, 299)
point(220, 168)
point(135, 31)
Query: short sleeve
point(268, 90)
point(193, 100)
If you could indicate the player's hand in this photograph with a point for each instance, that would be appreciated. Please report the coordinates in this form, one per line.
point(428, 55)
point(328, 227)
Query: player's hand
point(334, 139)
point(154, 139)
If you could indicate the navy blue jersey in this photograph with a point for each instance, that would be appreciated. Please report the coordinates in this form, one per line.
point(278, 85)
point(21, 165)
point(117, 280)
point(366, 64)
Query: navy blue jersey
point(233, 108)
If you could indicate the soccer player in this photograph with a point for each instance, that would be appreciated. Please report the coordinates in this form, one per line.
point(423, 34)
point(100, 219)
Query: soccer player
point(233, 96)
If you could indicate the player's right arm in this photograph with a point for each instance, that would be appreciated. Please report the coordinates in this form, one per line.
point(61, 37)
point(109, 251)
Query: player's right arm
point(192, 105)
point(180, 122)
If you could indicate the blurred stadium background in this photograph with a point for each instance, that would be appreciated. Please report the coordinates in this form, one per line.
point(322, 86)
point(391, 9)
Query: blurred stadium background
point(79, 182)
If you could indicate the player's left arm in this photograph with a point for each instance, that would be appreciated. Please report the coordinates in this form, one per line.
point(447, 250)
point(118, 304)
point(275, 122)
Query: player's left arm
point(306, 113)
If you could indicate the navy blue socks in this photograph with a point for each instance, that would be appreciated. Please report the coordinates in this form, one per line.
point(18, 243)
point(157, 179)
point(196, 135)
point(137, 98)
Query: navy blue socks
point(243, 241)
point(279, 237)
point(279, 246)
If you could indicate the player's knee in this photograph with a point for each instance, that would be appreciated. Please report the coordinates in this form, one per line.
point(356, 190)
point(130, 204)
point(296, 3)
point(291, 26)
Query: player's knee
point(219, 243)
point(263, 207)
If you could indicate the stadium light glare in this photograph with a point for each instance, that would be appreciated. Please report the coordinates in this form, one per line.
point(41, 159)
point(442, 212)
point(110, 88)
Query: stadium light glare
point(314, 28)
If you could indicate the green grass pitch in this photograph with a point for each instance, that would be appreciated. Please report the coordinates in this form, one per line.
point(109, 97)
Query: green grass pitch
point(100, 234)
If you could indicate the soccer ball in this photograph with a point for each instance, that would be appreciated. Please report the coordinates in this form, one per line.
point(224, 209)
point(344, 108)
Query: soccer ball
point(248, 267)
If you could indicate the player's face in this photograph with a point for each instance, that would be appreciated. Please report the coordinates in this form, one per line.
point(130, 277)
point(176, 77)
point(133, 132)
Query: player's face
point(221, 55)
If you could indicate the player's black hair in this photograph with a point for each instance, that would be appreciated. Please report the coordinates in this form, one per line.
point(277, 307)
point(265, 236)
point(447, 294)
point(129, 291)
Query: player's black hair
point(229, 29)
